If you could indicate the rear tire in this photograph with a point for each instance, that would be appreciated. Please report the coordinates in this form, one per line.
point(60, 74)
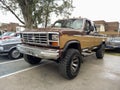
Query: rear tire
point(100, 52)
point(14, 54)
point(31, 59)
point(69, 66)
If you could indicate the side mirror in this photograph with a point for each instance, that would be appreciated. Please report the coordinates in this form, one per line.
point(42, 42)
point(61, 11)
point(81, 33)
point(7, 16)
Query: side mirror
point(91, 28)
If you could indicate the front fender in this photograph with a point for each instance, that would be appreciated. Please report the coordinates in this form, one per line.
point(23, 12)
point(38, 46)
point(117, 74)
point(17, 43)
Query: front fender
point(71, 44)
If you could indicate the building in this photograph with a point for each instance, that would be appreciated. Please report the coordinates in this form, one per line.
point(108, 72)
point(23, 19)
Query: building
point(100, 25)
point(103, 26)
point(9, 27)
point(112, 26)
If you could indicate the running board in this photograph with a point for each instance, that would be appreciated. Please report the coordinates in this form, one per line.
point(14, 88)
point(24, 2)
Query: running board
point(87, 53)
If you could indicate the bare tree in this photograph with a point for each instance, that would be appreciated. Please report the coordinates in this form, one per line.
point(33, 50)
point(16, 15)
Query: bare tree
point(35, 12)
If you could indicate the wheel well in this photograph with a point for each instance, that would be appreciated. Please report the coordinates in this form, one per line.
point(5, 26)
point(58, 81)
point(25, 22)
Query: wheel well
point(75, 46)
point(72, 44)
point(103, 43)
point(12, 49)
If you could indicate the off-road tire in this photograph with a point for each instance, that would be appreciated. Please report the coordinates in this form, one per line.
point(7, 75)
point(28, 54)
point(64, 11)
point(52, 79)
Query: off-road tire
point(31, 59)
point(14, 54)
point(100, 52)
point(70, 62)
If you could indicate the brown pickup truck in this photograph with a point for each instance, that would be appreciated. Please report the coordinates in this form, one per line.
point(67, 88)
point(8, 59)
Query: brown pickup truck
point(65, 42)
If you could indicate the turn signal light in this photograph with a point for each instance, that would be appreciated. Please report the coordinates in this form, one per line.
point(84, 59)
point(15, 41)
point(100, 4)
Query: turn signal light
point(54, 43)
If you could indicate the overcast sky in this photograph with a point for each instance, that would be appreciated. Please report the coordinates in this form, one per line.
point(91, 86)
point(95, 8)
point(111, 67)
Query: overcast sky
point(107, 10)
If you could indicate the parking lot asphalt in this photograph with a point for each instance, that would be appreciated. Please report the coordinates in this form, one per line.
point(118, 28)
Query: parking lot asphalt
point(94, 74)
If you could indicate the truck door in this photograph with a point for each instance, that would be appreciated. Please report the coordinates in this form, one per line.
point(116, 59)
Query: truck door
point(88, 37)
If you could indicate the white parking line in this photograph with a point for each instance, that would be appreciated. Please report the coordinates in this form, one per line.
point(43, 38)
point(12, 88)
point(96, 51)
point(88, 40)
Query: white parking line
point(18, 71)
point(6, 62)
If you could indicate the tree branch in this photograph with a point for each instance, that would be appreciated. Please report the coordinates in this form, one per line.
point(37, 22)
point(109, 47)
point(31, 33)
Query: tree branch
point(12, 11)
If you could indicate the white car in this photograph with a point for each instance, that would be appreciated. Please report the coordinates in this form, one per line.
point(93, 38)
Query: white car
point(8, 42)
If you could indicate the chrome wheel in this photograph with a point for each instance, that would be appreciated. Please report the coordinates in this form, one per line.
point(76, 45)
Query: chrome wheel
point(15, 53)
point(74, 64)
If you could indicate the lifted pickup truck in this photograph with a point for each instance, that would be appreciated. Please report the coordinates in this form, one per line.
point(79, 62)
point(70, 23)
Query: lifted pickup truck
point(65, 42)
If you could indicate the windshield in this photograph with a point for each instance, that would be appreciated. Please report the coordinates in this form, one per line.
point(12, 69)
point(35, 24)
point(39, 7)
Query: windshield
point(70, 23)
point(8, 34)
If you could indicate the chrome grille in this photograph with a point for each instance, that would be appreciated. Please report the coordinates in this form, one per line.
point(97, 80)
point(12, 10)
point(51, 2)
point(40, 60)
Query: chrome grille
point(35, 38)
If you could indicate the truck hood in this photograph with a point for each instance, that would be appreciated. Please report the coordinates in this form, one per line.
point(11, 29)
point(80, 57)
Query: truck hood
point(60, 30)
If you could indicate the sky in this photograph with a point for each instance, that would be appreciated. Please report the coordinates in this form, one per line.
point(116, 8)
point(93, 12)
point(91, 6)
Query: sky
point(107, 10)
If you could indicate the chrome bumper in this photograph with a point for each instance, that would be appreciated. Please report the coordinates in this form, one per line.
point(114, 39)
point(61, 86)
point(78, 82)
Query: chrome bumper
point(39, 52)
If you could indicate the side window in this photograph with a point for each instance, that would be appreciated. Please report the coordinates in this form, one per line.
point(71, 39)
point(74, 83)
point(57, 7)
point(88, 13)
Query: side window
point(87, 27)
point(57, 24)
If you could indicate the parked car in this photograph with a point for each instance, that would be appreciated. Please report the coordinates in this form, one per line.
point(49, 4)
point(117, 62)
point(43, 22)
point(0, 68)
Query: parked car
point(113, 42)
point(8, 42)
point(7, 35)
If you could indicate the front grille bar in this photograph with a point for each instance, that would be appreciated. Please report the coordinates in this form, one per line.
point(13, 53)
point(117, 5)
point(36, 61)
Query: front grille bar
point(35, 38)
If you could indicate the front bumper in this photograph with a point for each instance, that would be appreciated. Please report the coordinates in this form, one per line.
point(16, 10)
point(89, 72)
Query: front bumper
point(44, 53)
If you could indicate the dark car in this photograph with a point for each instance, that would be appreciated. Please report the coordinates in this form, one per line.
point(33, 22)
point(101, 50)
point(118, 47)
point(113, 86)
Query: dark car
point(113, 42)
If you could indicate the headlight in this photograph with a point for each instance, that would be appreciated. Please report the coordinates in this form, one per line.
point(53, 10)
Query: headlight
point(54, 39)
point(1, 48)
point(54, 36)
